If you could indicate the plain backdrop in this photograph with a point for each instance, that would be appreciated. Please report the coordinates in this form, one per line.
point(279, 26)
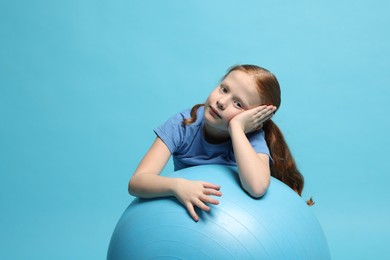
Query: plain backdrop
point(83, 84)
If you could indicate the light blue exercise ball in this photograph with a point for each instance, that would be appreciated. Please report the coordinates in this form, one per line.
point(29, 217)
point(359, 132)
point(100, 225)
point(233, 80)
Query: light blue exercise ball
point(277, 226)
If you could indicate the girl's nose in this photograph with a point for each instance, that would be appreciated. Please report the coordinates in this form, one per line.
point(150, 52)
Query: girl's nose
point(221, 105)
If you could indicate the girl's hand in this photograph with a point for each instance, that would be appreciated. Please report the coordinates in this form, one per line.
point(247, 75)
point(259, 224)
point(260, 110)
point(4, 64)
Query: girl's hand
point(196, 193)
point(253, 119)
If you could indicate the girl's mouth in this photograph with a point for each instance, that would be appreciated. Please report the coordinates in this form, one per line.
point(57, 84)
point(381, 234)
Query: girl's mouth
point(214, 112)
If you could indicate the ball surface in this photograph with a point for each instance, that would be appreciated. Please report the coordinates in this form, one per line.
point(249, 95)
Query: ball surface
point(279, 225)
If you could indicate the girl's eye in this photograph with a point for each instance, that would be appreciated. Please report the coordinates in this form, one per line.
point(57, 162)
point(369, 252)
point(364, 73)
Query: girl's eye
point(224, 90)
point(238, 104)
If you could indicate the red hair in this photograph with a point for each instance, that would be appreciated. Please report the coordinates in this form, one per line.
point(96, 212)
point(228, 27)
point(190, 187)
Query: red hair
point(283, 166)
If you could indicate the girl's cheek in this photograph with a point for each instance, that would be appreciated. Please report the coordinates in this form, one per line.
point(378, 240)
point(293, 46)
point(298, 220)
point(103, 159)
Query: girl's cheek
point(230, 117)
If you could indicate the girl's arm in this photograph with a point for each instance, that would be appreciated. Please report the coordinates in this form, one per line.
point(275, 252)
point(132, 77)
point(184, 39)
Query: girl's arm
point(146, 182)
point(253, 168)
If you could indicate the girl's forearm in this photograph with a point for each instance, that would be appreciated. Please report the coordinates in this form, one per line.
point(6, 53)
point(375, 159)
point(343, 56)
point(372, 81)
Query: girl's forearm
point(254, 172)
point(152, 186)
point(146, 182)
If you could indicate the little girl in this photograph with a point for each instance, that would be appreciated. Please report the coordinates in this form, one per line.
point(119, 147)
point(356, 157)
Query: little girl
point(233, 127)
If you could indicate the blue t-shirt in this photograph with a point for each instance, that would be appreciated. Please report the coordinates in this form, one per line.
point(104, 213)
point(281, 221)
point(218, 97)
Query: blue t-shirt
point(188, 146)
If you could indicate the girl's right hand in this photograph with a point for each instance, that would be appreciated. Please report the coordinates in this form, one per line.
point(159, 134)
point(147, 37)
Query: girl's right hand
point(196, 194)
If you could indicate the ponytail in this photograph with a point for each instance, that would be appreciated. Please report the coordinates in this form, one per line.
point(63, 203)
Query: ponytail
point(283, 165)
point(194, 115)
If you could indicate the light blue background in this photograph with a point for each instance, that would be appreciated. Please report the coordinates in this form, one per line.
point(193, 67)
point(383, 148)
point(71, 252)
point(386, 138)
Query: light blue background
point(83, 83)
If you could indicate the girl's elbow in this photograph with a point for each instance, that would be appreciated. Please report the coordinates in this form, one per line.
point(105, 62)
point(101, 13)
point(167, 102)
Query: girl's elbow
point(131, 188)
point(258, 191)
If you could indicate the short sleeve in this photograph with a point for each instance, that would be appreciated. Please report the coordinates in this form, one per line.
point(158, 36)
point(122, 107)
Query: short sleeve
point(257, 140)
point(172, 132)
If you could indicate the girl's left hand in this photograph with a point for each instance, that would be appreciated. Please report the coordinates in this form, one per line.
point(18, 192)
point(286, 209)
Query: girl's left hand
point(253, 119)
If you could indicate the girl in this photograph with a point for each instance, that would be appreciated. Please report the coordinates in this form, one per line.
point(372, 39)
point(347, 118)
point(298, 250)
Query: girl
point(233, 127)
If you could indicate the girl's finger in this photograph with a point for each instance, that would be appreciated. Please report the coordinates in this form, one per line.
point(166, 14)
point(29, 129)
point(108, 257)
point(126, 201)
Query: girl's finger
point(212, 192)
point(260, 109)
point(263, 109)
point(259, 122)
point(266, 118)
point(191, 211)
point(266, 113)
point(201, 205)
point(211, 185)
point(207, 199)
point(270, 116)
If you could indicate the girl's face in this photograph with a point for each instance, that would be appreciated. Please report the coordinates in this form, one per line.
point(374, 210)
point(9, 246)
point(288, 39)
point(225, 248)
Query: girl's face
point(235, 94)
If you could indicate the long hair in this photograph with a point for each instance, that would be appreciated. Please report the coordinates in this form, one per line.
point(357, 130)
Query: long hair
point(283, 166)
